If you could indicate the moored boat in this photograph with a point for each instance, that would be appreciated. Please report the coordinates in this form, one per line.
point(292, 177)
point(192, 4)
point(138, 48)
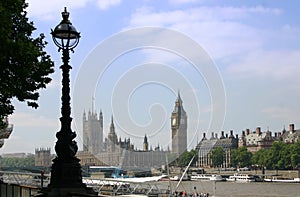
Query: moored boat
point(185, 177)
point(275, 179)
point(213, 177)
point(241, 178)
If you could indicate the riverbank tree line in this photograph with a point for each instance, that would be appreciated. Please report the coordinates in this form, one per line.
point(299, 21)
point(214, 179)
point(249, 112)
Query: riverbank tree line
point(16, 162)
point(280, 156)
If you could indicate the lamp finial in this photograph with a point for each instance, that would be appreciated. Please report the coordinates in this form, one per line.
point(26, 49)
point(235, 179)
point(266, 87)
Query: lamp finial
point(65, 15)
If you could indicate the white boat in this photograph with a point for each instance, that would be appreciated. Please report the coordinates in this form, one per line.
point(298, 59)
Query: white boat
point(241, 178)
point(275, 179)
point(139, 179)
point(184, 177)
point(216, 177)
point(213, 177)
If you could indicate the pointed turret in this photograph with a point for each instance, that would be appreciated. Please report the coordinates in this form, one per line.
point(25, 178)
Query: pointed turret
point(112, 134)
point(145, 144)
point(178, 105)
point(89, 114)
point(112, 126)
point(84, 116)
point(93, 105)
point(100, 114)
point(178, 97)
point(101, 118)
point(204, 137)
point(283, 130)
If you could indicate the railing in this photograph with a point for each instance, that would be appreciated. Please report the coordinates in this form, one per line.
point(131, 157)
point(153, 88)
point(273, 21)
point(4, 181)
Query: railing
point(12, 190)
point(116, 187)
point(20, 184)
point(26, 179)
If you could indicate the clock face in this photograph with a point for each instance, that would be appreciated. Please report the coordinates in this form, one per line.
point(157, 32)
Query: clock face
point(174, 121)
point(182, 121)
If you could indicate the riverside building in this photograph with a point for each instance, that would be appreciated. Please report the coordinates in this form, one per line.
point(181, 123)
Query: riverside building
point(205, 147)
point(114, 151)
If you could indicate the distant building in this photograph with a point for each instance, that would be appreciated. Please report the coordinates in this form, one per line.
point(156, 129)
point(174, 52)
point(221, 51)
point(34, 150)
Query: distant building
point(179, 127)
point(256, 140)
point(114, 151)
point(290, 136)
point(88, 159)
point(43, 157)
point(117, 152)
point(206, 146)
point(93, 132)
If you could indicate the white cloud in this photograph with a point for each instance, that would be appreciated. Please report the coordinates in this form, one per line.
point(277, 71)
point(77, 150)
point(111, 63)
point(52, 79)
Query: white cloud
point(32, 120)
point(278, 64)
point(30, 130)
point(179, 2)
point(280, 113)
point(217, 29)
point(51, 9)
point(104, 5)
point(223, 32)
point(145, 15)
point(21, 144)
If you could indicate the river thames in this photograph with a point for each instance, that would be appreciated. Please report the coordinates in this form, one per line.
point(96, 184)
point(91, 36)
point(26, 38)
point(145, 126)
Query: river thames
point(261, 189)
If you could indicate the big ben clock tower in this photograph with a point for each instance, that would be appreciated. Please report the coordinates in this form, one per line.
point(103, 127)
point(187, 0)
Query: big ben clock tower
point(179, 127)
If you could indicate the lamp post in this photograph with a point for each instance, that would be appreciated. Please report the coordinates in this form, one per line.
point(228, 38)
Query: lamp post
point(66, 175)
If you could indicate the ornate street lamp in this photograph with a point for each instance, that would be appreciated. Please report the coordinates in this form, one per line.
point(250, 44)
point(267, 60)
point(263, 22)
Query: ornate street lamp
point(66, 175)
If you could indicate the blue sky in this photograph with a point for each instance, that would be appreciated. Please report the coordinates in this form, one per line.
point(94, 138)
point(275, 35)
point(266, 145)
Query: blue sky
point(252, 48)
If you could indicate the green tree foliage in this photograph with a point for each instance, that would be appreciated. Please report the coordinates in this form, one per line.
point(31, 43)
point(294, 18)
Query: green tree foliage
point(295, 155)
point(280, 156)
point(259, 158)
point(275, 156)
point(240, 157)
point(24, 65)
point(186, 157)
point(217, 156)
point(17, 162)
point(192, 153)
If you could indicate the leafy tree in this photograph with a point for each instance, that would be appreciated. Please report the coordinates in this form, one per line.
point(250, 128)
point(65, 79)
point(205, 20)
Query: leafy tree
point(295, 155)
point(259, 157)
point(274, 156)
point(241, 157)
point(192, 153)
point(217, 156)
point(17, 162)
point(279, 156)
point(285, 157)
point(184, 159)
point(24, 65)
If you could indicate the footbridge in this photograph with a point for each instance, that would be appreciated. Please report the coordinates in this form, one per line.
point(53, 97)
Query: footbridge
point(22, 184)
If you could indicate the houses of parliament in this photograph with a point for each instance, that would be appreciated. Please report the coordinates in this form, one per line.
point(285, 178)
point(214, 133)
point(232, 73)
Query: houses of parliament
point(113, 151)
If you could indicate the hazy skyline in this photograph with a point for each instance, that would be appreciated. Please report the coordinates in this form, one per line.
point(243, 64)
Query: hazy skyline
point(253, 45)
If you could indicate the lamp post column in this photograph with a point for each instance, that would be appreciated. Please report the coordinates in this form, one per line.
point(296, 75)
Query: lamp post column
point(66, 170)
point(66, 175)
point(65, 147)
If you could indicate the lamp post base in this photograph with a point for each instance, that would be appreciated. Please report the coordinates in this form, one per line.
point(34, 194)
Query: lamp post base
point(66, 174)
point(67, 192)
point(66, 180)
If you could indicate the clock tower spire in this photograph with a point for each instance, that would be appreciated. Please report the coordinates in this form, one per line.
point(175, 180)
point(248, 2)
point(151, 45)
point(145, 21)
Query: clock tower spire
point(179, 127)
